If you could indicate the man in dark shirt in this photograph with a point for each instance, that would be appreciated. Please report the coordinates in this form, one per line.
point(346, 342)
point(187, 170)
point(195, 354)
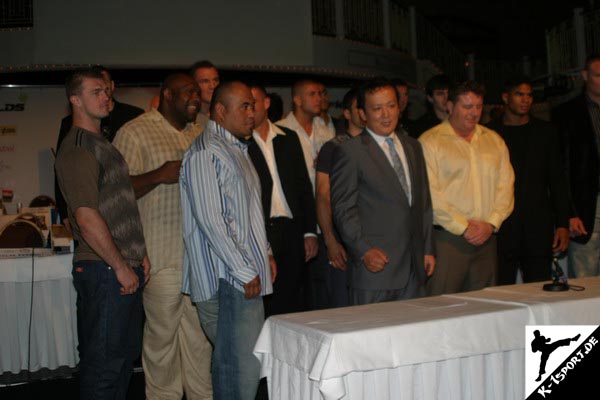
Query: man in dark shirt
point(437, 89)
point(539, 222)
point(110, 264)
point(336, 279)
point(119, 114)
point(579, 125)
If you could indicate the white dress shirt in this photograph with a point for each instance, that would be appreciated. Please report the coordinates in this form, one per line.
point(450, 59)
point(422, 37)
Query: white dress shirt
point(279, 205)
point(380, 140)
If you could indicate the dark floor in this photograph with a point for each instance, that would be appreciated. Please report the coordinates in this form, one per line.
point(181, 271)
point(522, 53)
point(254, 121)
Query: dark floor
point(68, 388)
point(63, 388)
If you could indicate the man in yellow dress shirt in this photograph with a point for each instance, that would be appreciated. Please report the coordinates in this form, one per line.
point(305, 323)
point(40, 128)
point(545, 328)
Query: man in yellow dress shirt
point(471, 181)
point(176, 354)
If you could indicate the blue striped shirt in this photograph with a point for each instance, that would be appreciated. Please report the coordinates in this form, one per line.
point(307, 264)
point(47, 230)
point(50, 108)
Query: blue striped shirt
point(223, 225)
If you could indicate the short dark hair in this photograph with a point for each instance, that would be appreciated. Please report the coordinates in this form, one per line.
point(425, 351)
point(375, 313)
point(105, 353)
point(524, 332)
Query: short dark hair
point(75, 79)
point(373, 85)
point(275, 112)
point(464, 88)
point(220, 93)
point(301, 82)
point(438, 82)
point(514, 81)
point(349, 97)
point(399, 82)
point(200, 65)
point(102, 69)
point(258, 87)
point(593, 57)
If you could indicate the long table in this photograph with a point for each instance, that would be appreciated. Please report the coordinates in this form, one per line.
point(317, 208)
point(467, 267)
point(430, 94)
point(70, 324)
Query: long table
point(464, 346)
point(50, 340)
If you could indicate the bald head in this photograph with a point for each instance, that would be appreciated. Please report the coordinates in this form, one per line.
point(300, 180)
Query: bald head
point(179, 100)
point(232, 107)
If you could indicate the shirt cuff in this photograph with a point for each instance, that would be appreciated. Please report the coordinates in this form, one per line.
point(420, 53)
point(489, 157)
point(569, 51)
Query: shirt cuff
point(310, 234)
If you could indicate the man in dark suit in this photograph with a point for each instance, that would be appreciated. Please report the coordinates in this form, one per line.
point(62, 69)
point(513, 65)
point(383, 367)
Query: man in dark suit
point(538, 225)
point(288, 205)
point(381, 203)
point(579, 124)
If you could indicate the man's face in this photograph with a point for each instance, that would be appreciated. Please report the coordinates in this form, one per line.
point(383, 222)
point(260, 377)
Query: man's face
point(93, 99)
point(518, 101)
point(238, 111)
point(591, 76)
point(402, 97)
point(466, 112)
point(353, 116)
point(261, 105)
point(309, 99)
point(324, 98)
point(439, 100)
point(381, 111)
point(110, 84)
point(185, 99)
point(208, 80)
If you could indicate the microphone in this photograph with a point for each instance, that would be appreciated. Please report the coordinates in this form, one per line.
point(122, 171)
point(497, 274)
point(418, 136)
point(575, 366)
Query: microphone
point(559, 279)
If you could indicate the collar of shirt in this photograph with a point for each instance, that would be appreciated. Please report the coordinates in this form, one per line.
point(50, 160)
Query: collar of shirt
point(591, 103)
point(156, 116)
point(450, 131)
point(274, 130)
point(228, 137)
point(381, 139)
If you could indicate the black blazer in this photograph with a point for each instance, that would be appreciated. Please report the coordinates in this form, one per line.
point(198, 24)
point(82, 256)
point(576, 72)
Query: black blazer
point(581, 159)
point(293, 175)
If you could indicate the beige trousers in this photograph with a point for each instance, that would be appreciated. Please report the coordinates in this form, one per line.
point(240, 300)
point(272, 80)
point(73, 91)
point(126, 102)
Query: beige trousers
point(175, 354)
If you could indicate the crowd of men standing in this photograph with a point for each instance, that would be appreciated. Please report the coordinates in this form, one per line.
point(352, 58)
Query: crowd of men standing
point(208, 216)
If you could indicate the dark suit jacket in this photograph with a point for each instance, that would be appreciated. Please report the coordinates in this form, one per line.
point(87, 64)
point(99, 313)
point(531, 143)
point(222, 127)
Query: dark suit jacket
point(541, 190)
point(581, 158)
point(370, 210)
point(295, 182)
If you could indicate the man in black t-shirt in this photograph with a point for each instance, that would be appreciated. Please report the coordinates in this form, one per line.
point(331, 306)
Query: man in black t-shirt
point(335, 250)
point(538, 225)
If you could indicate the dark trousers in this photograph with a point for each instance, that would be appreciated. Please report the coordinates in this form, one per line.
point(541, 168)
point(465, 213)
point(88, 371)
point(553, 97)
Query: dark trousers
point(413, 289)
point(109, 330)
point(287, 244)
point(461, 266)
point(527, 250)
point(327, 287)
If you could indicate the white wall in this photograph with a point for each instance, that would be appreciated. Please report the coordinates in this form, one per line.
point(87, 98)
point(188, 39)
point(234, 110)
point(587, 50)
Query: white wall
point(163, 33)
point(26, 159)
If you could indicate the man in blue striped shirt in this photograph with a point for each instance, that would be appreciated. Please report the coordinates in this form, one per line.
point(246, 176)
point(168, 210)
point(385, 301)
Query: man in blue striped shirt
point(227, 265)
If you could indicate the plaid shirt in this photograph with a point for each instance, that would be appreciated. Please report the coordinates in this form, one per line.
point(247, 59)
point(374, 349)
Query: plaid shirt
point(146, 143)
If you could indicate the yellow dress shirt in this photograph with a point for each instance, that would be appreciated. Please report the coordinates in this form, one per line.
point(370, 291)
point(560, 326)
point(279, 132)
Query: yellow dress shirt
point(468, 180)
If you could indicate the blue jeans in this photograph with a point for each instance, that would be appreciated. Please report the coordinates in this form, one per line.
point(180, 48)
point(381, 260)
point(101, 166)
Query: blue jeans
point(109, 330)
point(232, 323)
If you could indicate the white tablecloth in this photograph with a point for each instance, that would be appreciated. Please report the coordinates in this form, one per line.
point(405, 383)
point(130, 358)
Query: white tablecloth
point(53, 340)
point(465, 346)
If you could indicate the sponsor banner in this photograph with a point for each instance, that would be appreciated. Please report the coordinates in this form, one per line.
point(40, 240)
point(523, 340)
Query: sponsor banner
point(561, 361)
point(8, 130)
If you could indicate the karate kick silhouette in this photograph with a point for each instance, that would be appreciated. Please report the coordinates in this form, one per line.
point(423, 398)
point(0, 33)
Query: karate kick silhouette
point(540, 343)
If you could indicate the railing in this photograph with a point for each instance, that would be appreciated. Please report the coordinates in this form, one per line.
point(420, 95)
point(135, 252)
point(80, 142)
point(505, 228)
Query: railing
point(363, 21)
point(434, 46)
point(323, 17)
point(562, 52)
point(16, 14)
point(572, 40)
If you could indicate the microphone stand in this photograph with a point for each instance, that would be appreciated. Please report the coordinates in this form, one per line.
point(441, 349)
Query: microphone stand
point(559, 280)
